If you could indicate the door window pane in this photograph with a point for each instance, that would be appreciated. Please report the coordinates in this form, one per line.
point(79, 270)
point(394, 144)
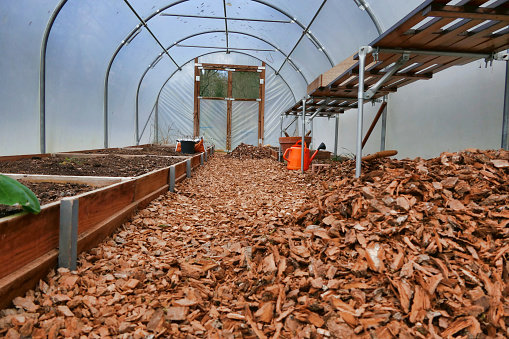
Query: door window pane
point(246, 85)
point(213, 83)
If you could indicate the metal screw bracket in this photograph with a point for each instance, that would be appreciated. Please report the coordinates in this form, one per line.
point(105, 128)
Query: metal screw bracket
point(375, 54)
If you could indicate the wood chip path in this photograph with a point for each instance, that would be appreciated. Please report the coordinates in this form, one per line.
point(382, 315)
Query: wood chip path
point(246, 249)
point(187, 266)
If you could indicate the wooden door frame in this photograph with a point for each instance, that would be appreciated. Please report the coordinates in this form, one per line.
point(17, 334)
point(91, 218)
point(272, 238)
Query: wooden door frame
point(230, 68)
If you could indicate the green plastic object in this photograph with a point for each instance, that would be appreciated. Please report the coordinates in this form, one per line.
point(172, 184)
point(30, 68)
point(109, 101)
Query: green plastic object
point(12, 193)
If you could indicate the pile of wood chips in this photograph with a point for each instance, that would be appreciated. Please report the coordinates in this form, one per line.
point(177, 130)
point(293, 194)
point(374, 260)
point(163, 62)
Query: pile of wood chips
point(414, 248)
point(244, 151)
point(246, 249)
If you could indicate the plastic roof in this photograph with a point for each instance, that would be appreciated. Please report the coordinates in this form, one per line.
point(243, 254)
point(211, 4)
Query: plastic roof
point(79, 63)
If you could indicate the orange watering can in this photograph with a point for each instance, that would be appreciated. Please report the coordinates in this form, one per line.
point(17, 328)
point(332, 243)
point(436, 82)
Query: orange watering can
point(295, 153)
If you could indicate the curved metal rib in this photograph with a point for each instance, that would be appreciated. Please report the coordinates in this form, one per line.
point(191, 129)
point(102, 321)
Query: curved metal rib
point(176, 43)
point(43, 63)
point(42, 77)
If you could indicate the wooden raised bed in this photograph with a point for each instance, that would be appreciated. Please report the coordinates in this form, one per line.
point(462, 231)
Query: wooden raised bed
point(29, 244)
point(274, 154)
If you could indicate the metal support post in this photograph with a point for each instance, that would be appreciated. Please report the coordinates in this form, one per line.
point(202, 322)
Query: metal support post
point(336, 132)
point(68, 238)
point(105, 123)
point(156, 132)
point(279, 155)
point(303, 135)
point(281, 117)
point(202, 159)
point(188, 168)
point(137, 129)
point(384, 124)
point(505, 119)
point(363, 51)
point(172, 179)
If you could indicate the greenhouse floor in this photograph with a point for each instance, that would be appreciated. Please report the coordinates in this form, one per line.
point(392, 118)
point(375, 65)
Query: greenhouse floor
point(248, 249)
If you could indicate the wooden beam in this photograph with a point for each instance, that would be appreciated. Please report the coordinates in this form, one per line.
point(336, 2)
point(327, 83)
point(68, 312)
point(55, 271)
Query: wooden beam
point(84, 180)
point(212, 98)
point(261, 108)
point(332, 74)
point(373, 124)
point(26, 278)
point(196, 113)
point(244, 68)
point(466, 12)
point(25, 156)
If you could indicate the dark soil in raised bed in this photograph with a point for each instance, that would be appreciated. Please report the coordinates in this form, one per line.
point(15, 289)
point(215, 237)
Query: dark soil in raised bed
point(47, 192)
point(105, 166)
point(147, 150)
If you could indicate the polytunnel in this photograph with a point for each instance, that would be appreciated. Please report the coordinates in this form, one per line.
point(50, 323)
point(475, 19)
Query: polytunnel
point(94, 75)
point(91, 73)
point(254, 168)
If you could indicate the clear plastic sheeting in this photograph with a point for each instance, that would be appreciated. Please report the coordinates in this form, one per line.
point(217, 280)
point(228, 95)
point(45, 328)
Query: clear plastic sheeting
point(277, 98)
point(298, 40)
point(85, 36)
point(213, 122)
point(176, 105)
point(146, 129)
point(271, 42)
point(22, 27)
point(389, 13)
point(229, 59)
point(79, 48)
point(302, 10)
point(295, 80)
point(315, 61)
point(244, 123)
point(176, 100)
point(282, 30)
point(348, 14)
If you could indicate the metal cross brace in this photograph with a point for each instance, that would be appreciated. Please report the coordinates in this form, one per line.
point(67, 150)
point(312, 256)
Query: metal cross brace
point(397, 66)
point(321, 108)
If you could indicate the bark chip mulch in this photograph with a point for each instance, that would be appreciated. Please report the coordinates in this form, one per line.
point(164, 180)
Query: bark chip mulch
point(183, 267)
point(246, 249)
point(244, 151)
